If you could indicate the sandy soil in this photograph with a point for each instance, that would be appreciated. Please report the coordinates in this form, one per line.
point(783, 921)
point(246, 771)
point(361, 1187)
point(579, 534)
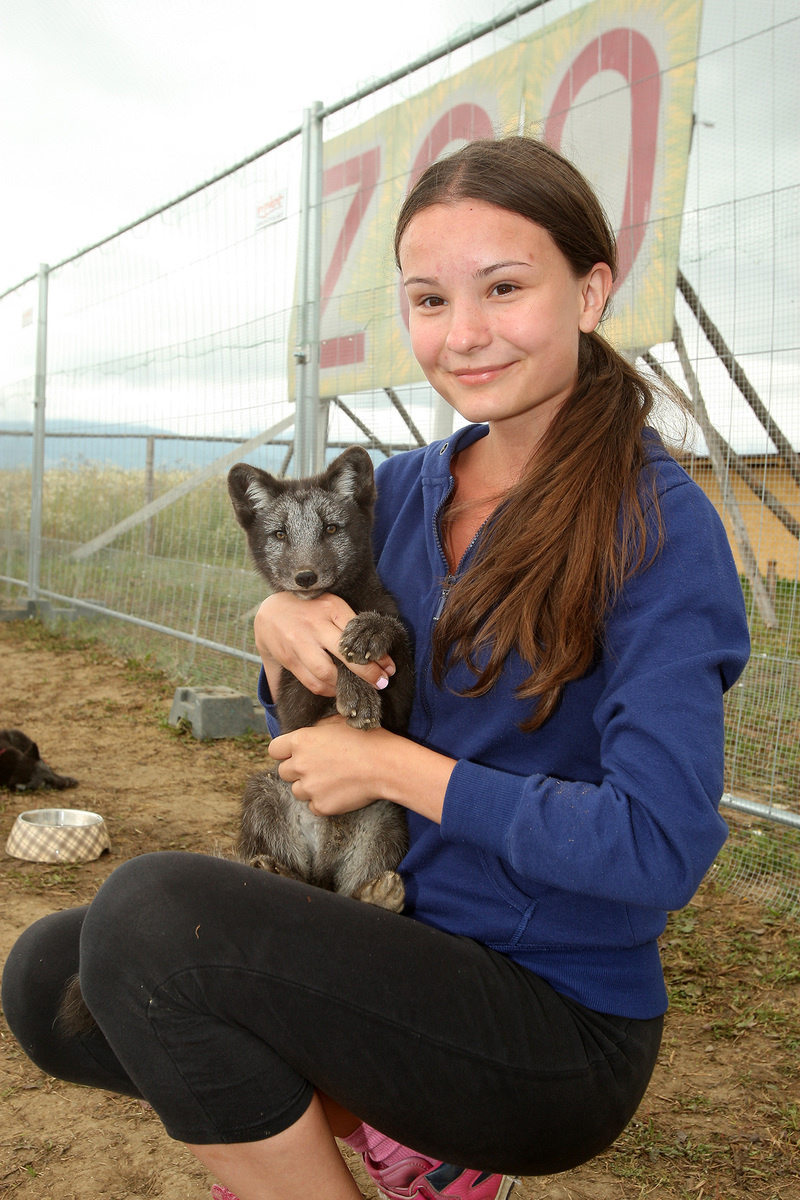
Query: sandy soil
point(721, 1120)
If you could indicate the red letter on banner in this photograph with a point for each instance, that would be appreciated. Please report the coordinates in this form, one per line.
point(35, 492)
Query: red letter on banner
point(363, 170)
point(631, 54)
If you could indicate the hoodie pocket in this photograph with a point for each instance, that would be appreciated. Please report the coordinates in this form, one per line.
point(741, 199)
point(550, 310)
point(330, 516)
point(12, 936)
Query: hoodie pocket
point(513, 911)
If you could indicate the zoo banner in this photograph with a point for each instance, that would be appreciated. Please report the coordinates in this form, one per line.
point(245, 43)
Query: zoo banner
point(611, 86)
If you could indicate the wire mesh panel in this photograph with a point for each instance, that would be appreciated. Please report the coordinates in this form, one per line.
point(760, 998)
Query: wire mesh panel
point(167, 351)
point(174, 348)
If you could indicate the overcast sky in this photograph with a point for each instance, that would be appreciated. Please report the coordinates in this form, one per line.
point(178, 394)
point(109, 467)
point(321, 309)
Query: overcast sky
point(109, 108)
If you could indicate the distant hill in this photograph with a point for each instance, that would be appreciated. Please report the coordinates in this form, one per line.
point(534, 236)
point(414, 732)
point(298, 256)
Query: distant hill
point(69, 443)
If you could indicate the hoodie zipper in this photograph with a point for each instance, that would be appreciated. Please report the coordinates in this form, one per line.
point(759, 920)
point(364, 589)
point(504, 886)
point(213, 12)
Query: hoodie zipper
point(449, 579)
point(446, 585)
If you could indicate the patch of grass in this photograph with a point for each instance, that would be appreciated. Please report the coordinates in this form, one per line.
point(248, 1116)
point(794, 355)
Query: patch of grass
point(253, 743)
point(33, 634)
point(696, 1103)
point(646, 1148)
point(764, 858)
point(739, 976)
point(789, 1115)
point(687, 1164)
point(38, 877)
point(146, 671)
point(763, 708)
point(81, 502)
point(181, 729)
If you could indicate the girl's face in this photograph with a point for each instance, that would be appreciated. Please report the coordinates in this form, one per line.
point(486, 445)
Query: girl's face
point(496, 313)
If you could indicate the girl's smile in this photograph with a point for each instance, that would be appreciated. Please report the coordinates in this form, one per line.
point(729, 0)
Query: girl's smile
point(480, 374)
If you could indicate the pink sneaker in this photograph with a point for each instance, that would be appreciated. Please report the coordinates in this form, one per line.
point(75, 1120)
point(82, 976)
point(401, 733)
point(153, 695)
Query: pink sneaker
point(218, 1192)
point(402, 1174)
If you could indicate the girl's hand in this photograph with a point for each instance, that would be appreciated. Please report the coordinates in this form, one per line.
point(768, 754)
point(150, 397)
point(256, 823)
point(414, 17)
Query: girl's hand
point(330, 765)
point(336, 769)
point(301, 635)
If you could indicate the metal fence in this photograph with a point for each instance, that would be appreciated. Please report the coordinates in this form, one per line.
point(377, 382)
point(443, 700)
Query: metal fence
point(256, 317)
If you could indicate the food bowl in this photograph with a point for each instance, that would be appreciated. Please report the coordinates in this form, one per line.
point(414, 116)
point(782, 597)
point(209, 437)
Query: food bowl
point(53, 835)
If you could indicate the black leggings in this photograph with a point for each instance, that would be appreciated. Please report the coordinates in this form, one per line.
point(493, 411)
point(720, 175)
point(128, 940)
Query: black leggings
point(227, 995)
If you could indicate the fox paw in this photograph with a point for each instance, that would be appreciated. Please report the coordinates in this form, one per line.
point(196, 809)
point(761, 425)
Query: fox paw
point(63, 781)
point(386, 891)
point(357, 701)
point(368, 636)
point(266, 862)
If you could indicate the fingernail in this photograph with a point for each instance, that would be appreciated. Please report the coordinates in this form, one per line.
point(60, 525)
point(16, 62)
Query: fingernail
point(382, 683)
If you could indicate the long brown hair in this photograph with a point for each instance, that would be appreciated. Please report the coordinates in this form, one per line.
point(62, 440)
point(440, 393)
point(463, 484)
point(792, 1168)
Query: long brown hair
point(555, 554)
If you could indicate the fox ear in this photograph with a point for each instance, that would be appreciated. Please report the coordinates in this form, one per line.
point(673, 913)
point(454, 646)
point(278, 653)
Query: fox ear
point(352, 475)
point(250, 489)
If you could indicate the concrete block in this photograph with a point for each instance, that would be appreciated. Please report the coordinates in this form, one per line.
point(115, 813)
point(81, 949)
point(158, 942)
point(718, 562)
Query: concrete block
point(15, 612)
point(29, 610)
point(217, 712)
point(46, 612)
point(55, 617)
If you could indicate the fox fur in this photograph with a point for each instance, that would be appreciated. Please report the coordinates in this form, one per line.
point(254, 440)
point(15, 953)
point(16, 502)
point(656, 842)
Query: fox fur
point(22, 767)
point(310, 536)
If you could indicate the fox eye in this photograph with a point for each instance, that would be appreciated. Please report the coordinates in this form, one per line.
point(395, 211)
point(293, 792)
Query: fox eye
point(280, 534)
point(331, 528)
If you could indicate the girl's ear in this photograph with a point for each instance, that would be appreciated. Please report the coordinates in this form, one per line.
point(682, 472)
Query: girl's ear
point(595, 291)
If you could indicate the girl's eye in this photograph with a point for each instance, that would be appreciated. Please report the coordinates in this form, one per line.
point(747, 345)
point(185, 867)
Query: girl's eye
point(330, 529)
point(432, 302)
point(504, 289)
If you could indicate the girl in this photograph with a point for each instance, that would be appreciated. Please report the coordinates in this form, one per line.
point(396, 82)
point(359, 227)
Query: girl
point(577, 618)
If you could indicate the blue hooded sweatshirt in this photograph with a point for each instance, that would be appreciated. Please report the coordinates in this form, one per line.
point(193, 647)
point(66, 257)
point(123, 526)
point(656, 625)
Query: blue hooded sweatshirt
point(564, 848)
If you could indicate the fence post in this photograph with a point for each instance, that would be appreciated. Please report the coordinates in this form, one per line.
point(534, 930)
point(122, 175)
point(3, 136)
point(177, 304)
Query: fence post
point(308, 452)
point(37, 460)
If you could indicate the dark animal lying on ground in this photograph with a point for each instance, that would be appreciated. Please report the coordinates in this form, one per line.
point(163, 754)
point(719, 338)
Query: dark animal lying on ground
point(22, 767)
point(310, 536)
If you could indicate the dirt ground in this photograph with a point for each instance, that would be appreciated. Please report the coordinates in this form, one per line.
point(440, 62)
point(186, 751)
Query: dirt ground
point(721, 1120)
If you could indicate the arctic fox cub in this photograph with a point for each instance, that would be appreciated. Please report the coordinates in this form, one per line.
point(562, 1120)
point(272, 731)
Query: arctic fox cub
point(310, 536)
